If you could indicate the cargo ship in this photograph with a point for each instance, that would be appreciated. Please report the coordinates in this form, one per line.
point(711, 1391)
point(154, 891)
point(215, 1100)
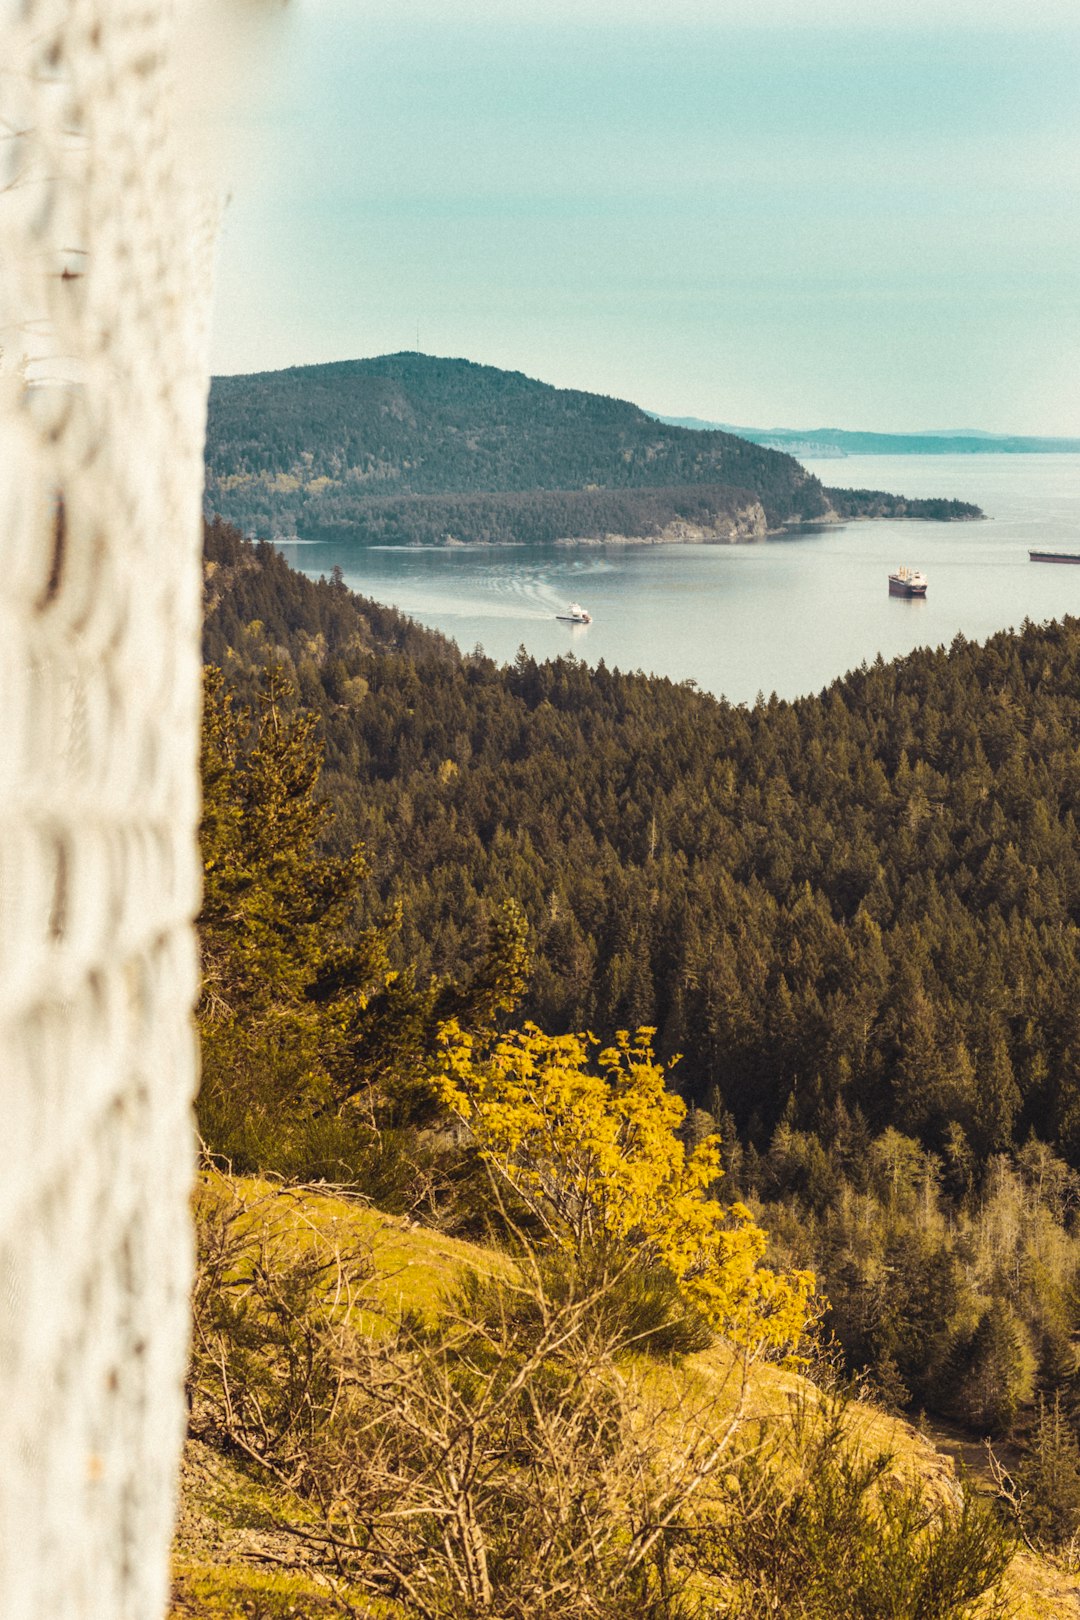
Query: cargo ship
point(907, 582)
point(1054, 556)
point(575, 614)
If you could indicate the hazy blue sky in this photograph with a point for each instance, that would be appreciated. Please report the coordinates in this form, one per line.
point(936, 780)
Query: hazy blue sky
point(787, 214)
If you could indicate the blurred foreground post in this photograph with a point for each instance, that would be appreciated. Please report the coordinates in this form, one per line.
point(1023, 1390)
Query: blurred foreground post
point(105, 279)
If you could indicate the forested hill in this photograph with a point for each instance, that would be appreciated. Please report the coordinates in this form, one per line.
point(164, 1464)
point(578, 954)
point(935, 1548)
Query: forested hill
point(411, 448)
point(863, 904)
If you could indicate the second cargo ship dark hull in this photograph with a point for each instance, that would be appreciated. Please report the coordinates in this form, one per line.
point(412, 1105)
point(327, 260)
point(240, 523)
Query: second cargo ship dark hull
point(1054, 556)
point(899, 587)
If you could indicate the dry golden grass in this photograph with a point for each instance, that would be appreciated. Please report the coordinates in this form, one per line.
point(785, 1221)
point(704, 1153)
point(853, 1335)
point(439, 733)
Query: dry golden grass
point(225, 1551)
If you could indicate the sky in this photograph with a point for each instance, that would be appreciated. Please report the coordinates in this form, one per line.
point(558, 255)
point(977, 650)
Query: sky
point(794, 213)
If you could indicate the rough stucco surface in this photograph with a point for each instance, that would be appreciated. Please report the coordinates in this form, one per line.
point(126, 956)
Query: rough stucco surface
point(104, 293)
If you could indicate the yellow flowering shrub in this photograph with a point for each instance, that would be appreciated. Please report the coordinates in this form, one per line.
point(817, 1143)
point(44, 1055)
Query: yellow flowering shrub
point(592, 1148)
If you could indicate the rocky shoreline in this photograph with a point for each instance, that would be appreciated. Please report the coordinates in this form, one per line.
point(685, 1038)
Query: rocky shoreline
point(744, 526)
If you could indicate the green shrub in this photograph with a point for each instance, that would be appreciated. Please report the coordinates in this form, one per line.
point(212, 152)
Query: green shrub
point(815, 1527)
point(632, 1310)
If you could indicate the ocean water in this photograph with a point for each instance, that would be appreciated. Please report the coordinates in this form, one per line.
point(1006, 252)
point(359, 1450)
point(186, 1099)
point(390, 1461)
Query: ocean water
point(787, 614)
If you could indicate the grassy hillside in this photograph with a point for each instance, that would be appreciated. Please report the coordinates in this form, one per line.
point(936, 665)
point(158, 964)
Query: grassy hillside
point(411, 448)
point(234, 1556)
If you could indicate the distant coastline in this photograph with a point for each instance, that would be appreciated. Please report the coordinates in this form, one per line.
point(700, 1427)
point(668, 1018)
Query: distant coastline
point(837, 444)
point(676, 534)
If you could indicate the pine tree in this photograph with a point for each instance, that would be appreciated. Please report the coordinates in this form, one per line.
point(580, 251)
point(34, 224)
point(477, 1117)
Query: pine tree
point(1049, 1478)
point(998, 1374)
point(301, 1013)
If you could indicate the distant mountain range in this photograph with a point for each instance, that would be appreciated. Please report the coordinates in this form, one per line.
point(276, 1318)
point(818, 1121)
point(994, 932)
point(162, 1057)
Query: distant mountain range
point(837, 442)
point(407, 448)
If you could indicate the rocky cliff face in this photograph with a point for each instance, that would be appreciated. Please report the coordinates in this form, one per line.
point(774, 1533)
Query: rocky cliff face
point(745, 523)
point(728, 528)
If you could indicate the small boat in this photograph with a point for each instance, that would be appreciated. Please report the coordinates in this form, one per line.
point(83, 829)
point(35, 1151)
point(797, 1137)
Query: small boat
point(1054, 556)
point(907, 582)
point(575, 614)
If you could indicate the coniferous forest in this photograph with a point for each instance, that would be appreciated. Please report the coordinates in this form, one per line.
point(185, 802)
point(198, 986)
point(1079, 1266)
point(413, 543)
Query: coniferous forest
point(852, 918)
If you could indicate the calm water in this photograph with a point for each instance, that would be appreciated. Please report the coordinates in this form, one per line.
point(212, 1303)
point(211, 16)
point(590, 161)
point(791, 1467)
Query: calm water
point(784, 615)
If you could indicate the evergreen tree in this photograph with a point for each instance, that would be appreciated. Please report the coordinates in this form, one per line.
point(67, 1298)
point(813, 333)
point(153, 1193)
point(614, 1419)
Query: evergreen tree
point(1049, 1478)
point(301, 1016)
point(998, 1373)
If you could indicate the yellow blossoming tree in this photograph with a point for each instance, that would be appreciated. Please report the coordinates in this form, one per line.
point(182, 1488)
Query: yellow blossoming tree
point(592, 1148)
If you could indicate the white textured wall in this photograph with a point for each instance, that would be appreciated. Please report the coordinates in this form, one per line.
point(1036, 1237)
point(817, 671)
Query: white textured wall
point(104, 292)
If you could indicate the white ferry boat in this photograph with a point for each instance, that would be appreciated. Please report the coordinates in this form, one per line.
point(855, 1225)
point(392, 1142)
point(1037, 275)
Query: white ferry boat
point(575, 614)
point(907, 582)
